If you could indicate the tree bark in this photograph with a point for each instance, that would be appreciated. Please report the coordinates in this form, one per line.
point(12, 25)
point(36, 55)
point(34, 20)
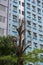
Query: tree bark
point(19, 62)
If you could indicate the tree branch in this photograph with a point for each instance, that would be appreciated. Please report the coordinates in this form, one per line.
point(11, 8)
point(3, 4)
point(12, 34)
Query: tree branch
point(25, 48)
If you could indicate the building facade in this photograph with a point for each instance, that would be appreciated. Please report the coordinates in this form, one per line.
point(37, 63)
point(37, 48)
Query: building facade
point(13, 12)
point(13, 17)
point(3, 17)
point(34, 22)
point(31, 12)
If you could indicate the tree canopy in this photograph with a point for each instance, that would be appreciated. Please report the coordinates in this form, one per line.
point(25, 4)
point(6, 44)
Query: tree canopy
point(9, 56)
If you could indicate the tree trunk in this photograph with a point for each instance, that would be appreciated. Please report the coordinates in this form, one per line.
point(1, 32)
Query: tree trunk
point(1, 62)
point(19, 62)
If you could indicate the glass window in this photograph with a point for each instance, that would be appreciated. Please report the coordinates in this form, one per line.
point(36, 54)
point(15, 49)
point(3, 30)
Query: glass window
point(23, 4)
point(22, 12)
point(15, 8)
point(35, 44)
point(15, 17)
point(39, 11)
point(2, 8)
point(28, 5)
point(2, 19)
point(1, 31)
point(34, 35)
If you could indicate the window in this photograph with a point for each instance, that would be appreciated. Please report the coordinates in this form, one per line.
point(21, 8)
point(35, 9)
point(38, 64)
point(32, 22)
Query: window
point(2, 19)
point(14, 27)
point(40, 37)
point(29, 43)
point(33, 8)
point(23, 4)
point(34, 35)
point(39, 11)
point(22, 12)
point(34, 17)
point(39, 19)
point(19, 2)
point(42, 4)
point(15, 8)
point(29, 33)
point(40, 27)
point(38, 2)
point(1, 31)
point(28, 14)
point(28, 22)
point(28, 5)
point(34, 25)
point(2, 8)
point(35, 45)
point(15, 17)
point(19, 11)
point(41, 46)
point(33, 1)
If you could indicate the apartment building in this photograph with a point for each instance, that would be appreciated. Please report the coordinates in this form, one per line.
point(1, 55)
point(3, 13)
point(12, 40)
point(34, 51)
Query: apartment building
point(13, 12)
point(13, 22)
point(3, 17)
point(15, 17)
point(34, 24)
point(31, 12)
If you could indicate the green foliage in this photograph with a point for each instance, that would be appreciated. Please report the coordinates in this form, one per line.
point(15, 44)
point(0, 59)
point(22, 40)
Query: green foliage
point(8, 53)
point(7, 50)
point(32, 56)
point(9, 58)
point(6, 46)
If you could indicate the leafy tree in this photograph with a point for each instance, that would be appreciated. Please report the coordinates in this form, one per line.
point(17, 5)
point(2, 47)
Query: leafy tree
point(12, 53)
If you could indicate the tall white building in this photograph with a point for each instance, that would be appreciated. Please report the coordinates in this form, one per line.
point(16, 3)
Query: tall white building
point(3, 17)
